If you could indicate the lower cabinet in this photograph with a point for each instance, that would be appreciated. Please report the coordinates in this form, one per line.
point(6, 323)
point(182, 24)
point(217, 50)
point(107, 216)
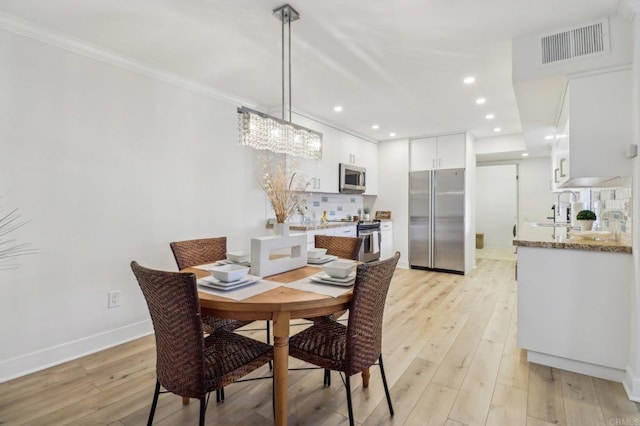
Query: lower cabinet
point(342, 231)
point(573, 309)
point(386, 239)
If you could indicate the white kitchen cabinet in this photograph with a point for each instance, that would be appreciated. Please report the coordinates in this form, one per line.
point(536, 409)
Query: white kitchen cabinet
point(386, 239)
point(341, 231)
point(595, 130)
point(346, 231)
point(438, 152)
point(573, 309)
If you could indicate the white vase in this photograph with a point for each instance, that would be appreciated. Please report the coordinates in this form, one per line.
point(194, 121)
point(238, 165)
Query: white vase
point(585, 225)
point(281, 229)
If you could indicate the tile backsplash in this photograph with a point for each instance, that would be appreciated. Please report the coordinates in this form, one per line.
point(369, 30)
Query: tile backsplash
point(613, 209)
point(337, 206)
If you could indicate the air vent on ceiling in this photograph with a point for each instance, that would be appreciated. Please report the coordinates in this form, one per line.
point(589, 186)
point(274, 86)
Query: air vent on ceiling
point(574, 43)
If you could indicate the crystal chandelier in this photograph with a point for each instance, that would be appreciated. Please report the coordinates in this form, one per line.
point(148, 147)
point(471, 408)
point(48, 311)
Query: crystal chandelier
point(262, 131)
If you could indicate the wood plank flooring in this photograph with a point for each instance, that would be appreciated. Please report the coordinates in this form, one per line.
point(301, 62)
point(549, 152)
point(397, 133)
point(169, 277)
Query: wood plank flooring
point(450, 356)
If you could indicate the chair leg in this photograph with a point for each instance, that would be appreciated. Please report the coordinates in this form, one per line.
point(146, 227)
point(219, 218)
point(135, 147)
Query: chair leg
point(217, 396)
point(384, 382)
point(327, 377)
point(203, 410)
point(185, 400)
point(154, 404)
point(222, 394)
point(347, 385)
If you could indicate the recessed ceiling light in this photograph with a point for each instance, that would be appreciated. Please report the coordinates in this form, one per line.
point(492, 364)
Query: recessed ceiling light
point(480, 101)
point(375, 127)
point(469, 80)
point(525, 154)
point(489, 116)
point(549, 137)
point(337, 108)
point(392, 134)
point(497, 129)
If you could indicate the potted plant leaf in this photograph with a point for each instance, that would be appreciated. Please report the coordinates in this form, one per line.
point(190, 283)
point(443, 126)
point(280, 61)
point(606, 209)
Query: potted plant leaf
point(585, 218)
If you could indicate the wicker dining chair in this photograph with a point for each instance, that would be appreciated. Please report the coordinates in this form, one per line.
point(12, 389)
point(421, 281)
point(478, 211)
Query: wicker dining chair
point(344, 247)
point(199, 252)
point(190, 253)
point(355, 347)
point(188, 363)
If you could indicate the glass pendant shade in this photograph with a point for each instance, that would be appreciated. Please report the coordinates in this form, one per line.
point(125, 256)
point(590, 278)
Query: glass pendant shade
point(262, 131)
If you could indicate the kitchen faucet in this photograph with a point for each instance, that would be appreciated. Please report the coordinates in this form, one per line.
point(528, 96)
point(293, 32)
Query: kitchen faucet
point(575, 198)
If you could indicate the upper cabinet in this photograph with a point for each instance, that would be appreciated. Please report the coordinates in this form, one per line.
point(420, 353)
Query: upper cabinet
point(338, 147)
point(594, 131)
point(438, 152)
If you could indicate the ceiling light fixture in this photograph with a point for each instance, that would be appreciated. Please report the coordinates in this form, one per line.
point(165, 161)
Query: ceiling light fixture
point(497, 129)
point(392, 134)
point(525, 154)
point(469, 80)
point(489, 116)
point(262, 131)
point(375, 127)
point(549, 137)
point(480, 101)
point(337, 108)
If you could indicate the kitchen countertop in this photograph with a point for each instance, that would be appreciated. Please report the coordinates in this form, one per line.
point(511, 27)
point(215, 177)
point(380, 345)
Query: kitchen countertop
point(315, 226)
point(542, 237)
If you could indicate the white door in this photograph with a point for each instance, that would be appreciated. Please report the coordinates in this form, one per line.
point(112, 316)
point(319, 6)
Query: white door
point(497, 204)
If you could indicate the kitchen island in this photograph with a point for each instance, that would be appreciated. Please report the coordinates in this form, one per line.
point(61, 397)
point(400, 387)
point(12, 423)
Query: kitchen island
point(573, 303)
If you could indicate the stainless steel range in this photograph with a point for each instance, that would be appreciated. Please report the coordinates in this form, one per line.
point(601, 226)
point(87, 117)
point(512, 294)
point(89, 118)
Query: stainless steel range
point(369, 230)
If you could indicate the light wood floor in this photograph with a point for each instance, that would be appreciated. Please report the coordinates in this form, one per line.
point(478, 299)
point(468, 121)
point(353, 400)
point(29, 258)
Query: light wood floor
point(450, 354)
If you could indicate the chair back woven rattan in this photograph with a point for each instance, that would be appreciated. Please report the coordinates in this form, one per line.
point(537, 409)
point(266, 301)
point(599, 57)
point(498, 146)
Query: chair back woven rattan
point(173, 303)
point(344, 247)
point(198, 252)
point(353, 348)
point(188, 363)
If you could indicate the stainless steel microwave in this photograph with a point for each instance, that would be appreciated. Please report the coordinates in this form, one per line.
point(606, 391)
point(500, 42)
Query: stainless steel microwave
point(353, 179)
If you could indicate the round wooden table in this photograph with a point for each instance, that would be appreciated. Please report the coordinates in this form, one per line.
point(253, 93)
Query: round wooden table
point(280, 305)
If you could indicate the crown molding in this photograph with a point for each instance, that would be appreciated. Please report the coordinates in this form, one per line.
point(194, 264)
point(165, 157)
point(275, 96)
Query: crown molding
point(27, 29)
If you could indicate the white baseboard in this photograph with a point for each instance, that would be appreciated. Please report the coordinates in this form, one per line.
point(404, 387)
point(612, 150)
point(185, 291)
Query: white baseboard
point(45, 358)
point(631, 385)
point(586, 368)
point(403, 264)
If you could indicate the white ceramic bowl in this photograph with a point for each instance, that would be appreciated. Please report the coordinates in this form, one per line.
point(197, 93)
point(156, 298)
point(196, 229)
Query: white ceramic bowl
point(316, 253)
point(238, 256)
point(339, 268)
point(229, 273)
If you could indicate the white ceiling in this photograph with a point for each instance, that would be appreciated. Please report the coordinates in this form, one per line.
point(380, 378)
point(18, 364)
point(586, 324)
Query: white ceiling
point(397, 63)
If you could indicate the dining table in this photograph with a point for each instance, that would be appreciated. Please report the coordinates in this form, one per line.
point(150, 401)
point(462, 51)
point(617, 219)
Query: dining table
point(287, 296)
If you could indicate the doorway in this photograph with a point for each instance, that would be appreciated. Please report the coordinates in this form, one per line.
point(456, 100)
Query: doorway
point(497, 209)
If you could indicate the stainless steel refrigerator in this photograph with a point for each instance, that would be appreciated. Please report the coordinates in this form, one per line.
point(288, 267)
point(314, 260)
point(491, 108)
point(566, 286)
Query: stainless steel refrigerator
point(436, 220)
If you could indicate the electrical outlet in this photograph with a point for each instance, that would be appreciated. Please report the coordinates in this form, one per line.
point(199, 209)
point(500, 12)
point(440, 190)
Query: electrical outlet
point(114, 299)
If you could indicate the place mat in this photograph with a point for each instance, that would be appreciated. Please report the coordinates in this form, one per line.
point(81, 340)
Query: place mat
point(294, 275)
point(242, 293)
point(325, 289)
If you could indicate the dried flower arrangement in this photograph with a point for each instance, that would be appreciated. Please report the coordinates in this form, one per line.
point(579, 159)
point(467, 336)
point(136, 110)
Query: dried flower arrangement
point(285, 191)
point(9, 249)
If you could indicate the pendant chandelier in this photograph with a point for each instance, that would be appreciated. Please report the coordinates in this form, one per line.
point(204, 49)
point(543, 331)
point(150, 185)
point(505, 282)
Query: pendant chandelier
point(262, 131)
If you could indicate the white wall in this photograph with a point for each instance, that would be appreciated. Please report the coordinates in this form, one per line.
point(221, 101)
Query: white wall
point(497, 204)
point(632, 379)
point(393, 190)
point(107, 166)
